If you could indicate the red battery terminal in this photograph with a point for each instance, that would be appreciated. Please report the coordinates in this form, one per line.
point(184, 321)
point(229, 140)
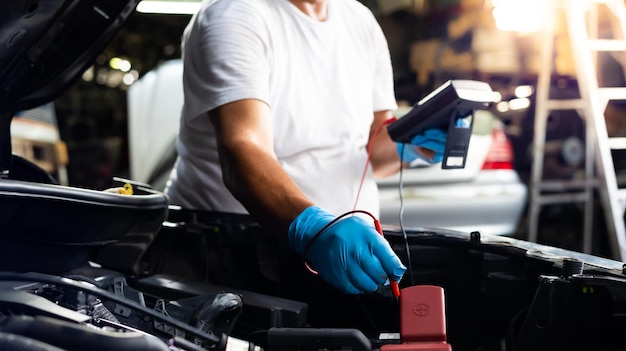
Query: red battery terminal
point(422, 320)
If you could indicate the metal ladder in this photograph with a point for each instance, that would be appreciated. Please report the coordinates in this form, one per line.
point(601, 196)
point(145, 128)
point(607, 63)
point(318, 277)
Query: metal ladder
point(599, 168)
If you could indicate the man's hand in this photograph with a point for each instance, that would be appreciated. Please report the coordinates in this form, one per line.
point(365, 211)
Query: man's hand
point(350, 255)
point(428, 146)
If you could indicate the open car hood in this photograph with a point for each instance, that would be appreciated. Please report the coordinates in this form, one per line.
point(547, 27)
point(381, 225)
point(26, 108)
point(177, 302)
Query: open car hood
point(45, 45)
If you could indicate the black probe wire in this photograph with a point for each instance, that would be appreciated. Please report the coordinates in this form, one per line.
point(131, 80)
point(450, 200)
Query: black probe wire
point(321, 231)
point(401, 219)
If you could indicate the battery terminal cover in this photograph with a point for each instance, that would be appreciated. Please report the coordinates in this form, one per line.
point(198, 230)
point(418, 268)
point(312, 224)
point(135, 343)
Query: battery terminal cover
point(422, 320)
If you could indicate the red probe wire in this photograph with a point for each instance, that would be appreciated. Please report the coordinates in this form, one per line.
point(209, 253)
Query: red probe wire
point(369, 157)
point(395, 289)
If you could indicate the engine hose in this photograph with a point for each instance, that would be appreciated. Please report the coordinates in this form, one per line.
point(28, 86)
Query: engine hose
point(217, 342)
point(219, 314)
point(72, 336)
point(15, 342)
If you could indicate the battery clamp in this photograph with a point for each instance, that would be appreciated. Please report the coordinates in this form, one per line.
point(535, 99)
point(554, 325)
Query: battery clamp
point(450, 107)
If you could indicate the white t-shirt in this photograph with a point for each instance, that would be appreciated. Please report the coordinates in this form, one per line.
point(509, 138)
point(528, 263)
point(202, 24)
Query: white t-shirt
point(322, 81)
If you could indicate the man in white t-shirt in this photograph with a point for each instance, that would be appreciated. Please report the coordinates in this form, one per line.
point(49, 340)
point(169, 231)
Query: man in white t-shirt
point(282, 98)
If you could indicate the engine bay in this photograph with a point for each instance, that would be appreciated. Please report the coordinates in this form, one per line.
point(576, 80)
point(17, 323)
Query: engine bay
point(499, 294)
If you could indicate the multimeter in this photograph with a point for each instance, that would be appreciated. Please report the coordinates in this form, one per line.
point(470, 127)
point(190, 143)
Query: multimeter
point(450, 107)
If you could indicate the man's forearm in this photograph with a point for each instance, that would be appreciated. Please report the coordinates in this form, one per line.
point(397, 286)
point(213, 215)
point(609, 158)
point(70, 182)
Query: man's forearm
point(250, 169)
point(258, 181)
point(384, 157)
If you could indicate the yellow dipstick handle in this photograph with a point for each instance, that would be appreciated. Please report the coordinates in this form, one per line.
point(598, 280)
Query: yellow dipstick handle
point(127, 189)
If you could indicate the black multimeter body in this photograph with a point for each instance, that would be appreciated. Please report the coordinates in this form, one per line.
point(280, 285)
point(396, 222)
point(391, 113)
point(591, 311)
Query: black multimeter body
point(443, 108)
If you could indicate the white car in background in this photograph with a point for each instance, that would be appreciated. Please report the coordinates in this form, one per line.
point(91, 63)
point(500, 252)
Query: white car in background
point(487, 195)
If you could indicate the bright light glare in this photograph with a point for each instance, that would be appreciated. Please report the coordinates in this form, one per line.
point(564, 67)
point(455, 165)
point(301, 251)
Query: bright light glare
point(497, 97)
point(519, 104)
point(502, 106)
point(169, 7)
point(524, 16)
point(120, 64)
point(115, 62)
point(125, 66)
point(88, 75)
point(523, 91)
point(128, 79)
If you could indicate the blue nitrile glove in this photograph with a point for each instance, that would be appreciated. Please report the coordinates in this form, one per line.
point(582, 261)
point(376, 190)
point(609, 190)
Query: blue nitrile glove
point(432, 139)
point(350, 255)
